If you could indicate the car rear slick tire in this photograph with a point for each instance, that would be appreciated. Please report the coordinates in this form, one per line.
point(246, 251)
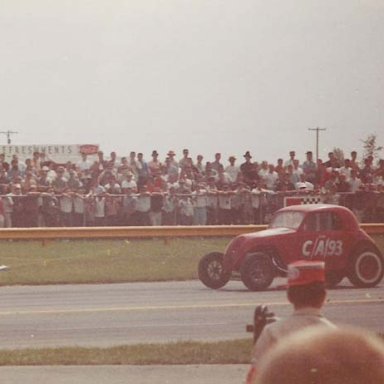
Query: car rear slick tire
point(366, 268)
point(257, 271)
point(211, 271)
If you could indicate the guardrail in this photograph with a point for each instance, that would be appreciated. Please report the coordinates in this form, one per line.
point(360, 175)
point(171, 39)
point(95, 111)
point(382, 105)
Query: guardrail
point(143, 232)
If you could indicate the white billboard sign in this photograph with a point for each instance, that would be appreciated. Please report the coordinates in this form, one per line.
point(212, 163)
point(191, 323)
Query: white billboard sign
point(59, 153)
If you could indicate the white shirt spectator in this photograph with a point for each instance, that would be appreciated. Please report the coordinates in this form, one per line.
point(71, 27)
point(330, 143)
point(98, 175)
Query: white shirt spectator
point(143, 203)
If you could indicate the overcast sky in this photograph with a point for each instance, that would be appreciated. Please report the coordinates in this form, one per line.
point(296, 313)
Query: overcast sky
point(209, 75)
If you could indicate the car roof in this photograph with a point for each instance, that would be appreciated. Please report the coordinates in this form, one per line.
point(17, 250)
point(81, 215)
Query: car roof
point(312, 207)
point(349, 219)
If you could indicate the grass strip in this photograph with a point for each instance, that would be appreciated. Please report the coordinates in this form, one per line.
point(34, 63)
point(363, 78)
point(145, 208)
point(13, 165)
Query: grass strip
point(177, 353)
point(107, 261)
point(103, 261)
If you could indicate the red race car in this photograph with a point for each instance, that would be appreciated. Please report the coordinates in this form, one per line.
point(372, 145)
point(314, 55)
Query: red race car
point(299, 232)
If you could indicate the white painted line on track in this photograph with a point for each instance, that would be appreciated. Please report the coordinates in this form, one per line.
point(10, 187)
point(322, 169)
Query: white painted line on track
point(177, 307)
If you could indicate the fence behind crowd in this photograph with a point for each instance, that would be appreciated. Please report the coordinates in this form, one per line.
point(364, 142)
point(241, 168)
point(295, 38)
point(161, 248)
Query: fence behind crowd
point(37, 209)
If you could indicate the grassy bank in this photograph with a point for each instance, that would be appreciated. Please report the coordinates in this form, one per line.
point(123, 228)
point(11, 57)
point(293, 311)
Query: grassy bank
point(103, 261)
point(106, 261)
point(223, 352)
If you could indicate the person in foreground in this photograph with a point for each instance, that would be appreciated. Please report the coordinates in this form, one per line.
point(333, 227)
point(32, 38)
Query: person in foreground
point(320, 355)
point(306, 292)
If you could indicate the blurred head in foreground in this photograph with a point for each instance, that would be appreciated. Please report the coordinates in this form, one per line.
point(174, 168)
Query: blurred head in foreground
point(320, 355)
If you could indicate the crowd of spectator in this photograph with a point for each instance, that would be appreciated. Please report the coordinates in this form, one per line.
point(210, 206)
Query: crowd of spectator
point(132, 190)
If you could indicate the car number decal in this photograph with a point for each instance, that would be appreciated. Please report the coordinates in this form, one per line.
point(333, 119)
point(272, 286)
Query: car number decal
point(322, 247)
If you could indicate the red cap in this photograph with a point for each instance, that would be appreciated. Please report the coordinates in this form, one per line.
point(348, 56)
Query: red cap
point(305, 272)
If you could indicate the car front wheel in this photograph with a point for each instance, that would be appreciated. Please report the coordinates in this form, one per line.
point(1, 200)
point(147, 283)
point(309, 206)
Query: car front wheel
point(257, 271)
point(211, 271)
point(366, 268)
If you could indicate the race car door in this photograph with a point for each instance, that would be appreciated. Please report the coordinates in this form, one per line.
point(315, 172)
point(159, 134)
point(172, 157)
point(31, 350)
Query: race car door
point(322, 237)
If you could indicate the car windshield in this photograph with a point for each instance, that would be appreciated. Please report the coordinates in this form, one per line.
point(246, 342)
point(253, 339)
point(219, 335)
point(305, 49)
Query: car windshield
point(289, 219)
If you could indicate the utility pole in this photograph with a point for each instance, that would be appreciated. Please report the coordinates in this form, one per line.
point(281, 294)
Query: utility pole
point(9, 133)
point(317, 139)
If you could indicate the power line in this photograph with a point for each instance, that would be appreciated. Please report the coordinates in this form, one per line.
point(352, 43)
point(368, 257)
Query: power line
point(9, 133)
point(317, 139)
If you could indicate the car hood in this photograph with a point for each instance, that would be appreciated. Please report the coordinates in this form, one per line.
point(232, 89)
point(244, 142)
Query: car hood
point(270, 232)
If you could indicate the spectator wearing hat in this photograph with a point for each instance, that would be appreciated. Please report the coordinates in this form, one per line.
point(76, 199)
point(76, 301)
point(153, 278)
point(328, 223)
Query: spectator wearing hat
point(232, 170)
point(247, 169)
point(306, 292)
point(171, 157)
point(171, 167)
point(154, 166)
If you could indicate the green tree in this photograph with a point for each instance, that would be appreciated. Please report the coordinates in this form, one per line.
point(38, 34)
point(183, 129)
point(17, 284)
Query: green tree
point(370, 146)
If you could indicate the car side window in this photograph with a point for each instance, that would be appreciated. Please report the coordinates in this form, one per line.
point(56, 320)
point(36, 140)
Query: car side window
point(337, 223)
point(323, 221)
point(310, 223)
